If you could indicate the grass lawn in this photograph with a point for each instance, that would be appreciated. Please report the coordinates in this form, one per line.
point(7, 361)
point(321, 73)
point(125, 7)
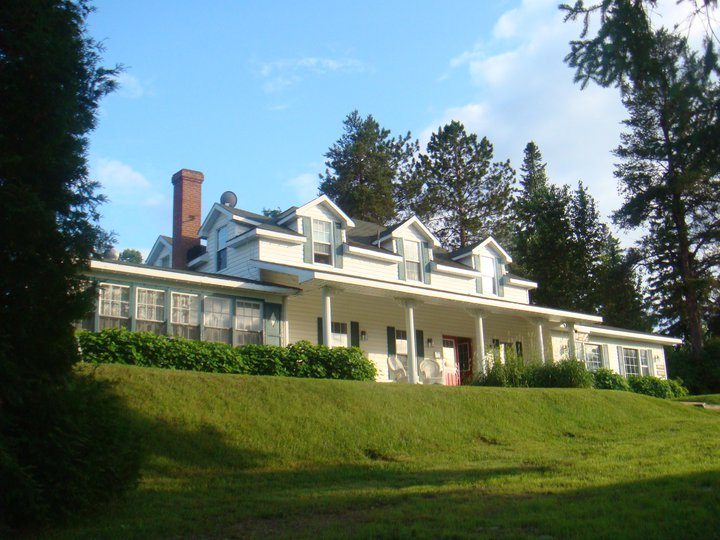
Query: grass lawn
point(236, 456)
point(712, 399)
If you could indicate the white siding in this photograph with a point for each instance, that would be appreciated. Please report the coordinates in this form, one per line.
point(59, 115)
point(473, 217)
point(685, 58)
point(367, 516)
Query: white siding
point(164, 252)
point(241, 260)
point(280, 252)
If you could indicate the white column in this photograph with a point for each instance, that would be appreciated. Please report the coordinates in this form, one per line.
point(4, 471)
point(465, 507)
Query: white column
point(479, 356)
point(541, 339)
point(411, 346)
point(285, 328)
point(327, 316)
point(572, 347)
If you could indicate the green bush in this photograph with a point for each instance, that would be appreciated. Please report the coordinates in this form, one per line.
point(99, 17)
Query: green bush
point(67, 458)
point(301, 359)
point(652, 386)
point(517, 372)
point(607, 379)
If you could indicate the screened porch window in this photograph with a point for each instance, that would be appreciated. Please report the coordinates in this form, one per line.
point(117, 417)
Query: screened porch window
point(114, 306)
point(248, 322)
point(631, 361)
point(489, 275)
point(322, 241)
point(185, 315)
point(593, 356)
point(412, 260)
point(217, 321)
point(150, 310)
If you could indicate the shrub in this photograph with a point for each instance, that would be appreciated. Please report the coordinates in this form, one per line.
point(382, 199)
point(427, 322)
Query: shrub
point(701, 374)
point(652, 386)
point(64, 459)
point(517, 372)
point(606, 379)
point(301, 359)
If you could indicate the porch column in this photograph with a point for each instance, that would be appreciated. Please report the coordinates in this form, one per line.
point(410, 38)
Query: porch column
point(411, 337)
point(572, 347)
point(285, 328)
point(327, 316)
point(541, 339)
point(479, 356)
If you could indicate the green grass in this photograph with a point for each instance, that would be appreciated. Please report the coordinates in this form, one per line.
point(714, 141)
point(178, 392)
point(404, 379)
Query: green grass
point(237, 456)
point(712, 399)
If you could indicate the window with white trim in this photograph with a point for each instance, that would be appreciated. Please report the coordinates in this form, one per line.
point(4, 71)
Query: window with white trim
point(216, 316)
point(401, 345)
point(488, 273)
point(631, 361)
point(248, 322)
point(322, 241)
point(114, 301)
point(221, 258)
point(593, 356)
point(165, 261)
point(150, 305)
point(645, 356)
point(412, 260)
point(184, 315)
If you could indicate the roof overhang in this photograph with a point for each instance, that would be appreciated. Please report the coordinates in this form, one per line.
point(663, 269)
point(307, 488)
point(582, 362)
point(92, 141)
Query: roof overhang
point(523, 283)
point(323, 199)
point(628, 334)
point(372, 254)
point(252, 234)
point(447, 269)
point(217, 209)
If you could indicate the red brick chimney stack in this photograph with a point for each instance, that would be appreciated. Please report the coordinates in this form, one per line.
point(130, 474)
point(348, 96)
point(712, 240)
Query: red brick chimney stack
point(187, 217)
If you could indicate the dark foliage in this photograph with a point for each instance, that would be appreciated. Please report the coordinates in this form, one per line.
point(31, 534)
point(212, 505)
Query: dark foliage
point(700, 373)
point(607, 379)
point(301, 359)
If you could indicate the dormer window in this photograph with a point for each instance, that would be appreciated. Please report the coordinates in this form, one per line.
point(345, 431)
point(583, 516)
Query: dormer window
point(322, 241)
point(221, 262)
point(489, 275)
point(412, 260)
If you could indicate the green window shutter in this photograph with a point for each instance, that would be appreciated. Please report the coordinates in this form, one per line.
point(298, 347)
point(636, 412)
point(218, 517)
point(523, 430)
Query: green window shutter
point(419, 344)
point(338, 245)
point(425, 266)
point(478, 281)
point(320, 331)
point(308, 248)
point(499, 276)
point(391, 340)
point(401, 252)
point(354, 334)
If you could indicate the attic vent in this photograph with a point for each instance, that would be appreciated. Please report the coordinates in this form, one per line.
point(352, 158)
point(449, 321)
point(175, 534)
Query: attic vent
point(228, 199)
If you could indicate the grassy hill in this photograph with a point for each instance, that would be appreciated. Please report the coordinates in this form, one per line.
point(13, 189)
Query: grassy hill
point(235, 456)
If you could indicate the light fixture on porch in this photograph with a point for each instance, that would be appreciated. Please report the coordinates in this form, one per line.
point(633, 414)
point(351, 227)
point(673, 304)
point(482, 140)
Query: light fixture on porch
point(363, 335)
point(430, 342)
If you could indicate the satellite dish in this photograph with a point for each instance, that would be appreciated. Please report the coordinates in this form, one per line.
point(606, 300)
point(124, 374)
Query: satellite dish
point(228, 199)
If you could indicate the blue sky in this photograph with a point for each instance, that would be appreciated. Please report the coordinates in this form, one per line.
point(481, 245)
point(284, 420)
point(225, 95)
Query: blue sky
point(253, 93)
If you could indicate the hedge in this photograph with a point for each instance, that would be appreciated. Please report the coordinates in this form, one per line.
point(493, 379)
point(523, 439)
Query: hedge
point(301, 359)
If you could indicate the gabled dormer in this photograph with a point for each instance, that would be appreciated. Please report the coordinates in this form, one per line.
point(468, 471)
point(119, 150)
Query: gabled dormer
point(324, 226)
point(161, 253)
point(489, 261)
point(414, 242)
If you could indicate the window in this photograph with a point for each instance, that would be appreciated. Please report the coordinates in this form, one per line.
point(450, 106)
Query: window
point(593, 356)
point(165, 261)
point(150, 305)
point(401, 346)
point(645, 356)
point(630, 361)
point(322, 241)
point(412, 260)
point(339, 334)
point(248, 322)
point(489, 277)
point(114, 306)
point(184, 315)
point(221, 262)
point(217, 319)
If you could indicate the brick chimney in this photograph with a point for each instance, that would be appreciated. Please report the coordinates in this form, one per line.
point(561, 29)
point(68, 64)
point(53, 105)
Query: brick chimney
point(186, 214)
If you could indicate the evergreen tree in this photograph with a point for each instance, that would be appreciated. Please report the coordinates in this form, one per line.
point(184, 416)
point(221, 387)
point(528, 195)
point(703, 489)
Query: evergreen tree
point(363, 167)
point(461, 194)
point(130, 255)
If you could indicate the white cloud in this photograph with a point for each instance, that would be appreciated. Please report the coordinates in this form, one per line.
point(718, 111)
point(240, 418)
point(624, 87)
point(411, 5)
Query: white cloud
point(129, 85)
point(124, 185)
point(281, 74)
point(305, 186)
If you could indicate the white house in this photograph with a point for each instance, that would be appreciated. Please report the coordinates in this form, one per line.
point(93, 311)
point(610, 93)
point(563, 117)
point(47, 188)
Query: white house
point(420, 313)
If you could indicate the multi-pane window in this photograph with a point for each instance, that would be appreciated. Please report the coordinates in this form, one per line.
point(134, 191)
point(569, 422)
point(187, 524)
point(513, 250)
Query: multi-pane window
point(630, 361)
point(114, 301)
point(322, 241)
point(593, 356)
point(150, 305)
point(248, 322)
point(645, 362)
point(217, 321)
point(184, 315)
point(489, 275)
point(165, 261)
point(339, 334)
point(221, 262)
point(412, 260)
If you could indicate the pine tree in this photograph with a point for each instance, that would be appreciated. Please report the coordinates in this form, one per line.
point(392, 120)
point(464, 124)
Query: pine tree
point(461, 194)
point(363, 168)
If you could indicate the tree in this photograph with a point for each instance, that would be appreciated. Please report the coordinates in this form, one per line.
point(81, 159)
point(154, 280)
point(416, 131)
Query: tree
point(50, 86)
point(670, 155)
point(131, 255)
point(458, 190)
point(272, 212)
point(363, 167)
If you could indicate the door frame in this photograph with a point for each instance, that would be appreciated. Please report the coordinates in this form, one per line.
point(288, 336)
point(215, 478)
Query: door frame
point(466, 377)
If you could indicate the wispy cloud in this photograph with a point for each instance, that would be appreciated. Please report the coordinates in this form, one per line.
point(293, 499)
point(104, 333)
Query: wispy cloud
point(280, 74)
point(124, 185)
point(305, 186)
point(130, 86)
